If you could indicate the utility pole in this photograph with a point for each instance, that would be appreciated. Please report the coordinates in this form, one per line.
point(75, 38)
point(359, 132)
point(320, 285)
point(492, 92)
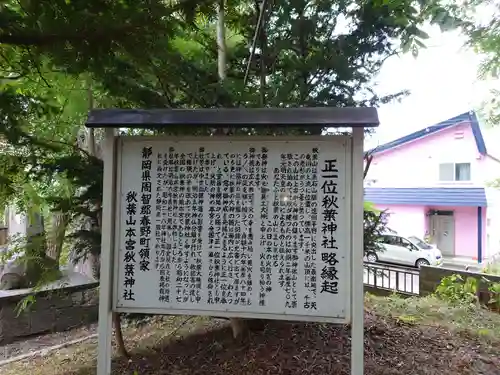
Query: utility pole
point(221, 41)
point(238, 326)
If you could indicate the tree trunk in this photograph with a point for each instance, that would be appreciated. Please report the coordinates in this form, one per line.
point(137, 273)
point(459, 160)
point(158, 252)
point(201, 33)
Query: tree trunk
point(95, 260)
point(120, 343)
point(260, 9)
point(221, 41)
point(59, 224)
point(117, 324)
point(238, 325)
point(90, 143)
point(95, 266)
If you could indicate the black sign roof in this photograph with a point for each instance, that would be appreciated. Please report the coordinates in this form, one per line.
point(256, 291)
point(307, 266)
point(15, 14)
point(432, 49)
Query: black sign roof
point(233, 117)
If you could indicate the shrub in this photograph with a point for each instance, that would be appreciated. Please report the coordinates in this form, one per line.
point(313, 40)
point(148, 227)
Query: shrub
point(455, 290)
point(375, 223)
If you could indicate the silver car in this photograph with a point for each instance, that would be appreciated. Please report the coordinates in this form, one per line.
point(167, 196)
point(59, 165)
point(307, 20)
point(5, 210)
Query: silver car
point(405, 250)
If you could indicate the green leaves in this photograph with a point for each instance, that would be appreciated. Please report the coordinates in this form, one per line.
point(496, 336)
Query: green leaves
point(163, 54)
point(484, 37)
point(375, 223)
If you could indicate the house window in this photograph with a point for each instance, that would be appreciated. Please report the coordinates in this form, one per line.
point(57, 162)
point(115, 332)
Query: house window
point(454, 172)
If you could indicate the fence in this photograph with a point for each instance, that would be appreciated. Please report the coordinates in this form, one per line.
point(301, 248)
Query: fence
point(383, 279)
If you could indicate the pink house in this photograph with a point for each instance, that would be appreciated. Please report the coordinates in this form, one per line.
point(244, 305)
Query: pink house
point(434, 183)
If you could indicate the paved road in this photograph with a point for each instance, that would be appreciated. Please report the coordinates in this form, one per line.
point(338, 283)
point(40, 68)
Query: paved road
point(392, 278)
point(472, 267)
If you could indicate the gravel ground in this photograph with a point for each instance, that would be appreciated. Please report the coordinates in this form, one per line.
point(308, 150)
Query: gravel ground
point(36, 343)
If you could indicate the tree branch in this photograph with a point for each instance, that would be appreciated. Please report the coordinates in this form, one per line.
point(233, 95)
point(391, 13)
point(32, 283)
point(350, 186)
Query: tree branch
point(369, 159)
point(37, 67)
point(78, 36)
point(13, 78)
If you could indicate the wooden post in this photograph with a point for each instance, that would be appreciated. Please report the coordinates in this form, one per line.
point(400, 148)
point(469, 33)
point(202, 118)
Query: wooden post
point(357, 270)
point(105, 327)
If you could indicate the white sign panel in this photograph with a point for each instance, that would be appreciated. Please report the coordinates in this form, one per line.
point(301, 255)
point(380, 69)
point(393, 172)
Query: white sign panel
point(243, 228)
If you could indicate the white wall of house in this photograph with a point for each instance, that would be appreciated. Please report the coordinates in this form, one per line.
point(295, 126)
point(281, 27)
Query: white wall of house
point(445, 159)
point(426, 161)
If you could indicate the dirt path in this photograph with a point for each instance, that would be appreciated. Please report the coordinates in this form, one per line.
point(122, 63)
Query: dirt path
point(37, 343)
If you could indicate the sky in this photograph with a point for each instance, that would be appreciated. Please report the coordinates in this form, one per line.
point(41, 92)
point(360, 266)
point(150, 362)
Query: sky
point(442, 82)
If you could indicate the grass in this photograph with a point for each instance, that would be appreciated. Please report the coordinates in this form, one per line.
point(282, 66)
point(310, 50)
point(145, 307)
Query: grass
point(470, 319)
point(400, 336)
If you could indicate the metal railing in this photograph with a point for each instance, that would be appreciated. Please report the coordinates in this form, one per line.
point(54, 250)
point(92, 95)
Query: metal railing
point(392, 278)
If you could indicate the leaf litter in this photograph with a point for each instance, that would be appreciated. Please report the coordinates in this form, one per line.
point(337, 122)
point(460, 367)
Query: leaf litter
point(204, 346)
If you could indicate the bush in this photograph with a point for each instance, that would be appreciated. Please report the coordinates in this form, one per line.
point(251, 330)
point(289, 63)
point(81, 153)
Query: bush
point(493, 266)
point(455, 290)
point(471, 291)
point(375, 224)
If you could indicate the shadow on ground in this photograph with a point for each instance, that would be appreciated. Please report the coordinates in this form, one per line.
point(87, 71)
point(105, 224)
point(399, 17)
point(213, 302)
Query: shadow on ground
point(391, 348)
